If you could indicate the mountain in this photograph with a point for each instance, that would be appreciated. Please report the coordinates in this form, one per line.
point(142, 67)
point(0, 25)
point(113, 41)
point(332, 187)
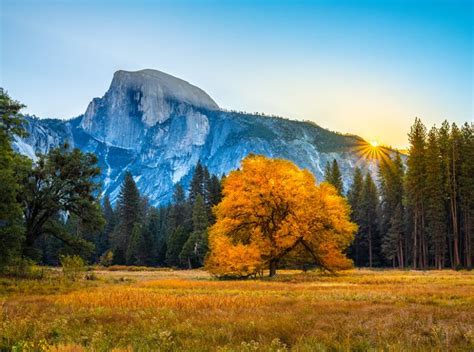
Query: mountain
point(158, 127)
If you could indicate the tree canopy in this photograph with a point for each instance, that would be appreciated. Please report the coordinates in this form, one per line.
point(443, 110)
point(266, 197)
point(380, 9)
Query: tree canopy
point(270, 210)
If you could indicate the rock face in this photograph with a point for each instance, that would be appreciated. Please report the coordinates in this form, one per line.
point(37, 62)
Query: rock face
point(157, 127)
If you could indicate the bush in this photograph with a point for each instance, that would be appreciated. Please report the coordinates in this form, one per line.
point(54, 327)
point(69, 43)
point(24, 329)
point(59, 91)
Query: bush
point(23, 268)
point(106, 258)
point(73, 266)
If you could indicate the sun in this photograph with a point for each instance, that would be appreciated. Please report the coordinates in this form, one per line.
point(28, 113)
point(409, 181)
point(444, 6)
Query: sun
point(371, 150)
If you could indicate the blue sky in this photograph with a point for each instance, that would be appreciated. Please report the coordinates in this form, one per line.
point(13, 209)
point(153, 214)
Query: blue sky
point(365, 67)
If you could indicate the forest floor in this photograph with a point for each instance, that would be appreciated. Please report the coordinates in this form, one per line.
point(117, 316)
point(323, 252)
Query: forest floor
point(164, 310)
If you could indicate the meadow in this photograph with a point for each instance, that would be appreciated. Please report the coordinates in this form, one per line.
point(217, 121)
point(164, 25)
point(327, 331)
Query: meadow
point(165, 310)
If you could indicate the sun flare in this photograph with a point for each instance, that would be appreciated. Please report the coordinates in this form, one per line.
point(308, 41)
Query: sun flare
point(374, 144)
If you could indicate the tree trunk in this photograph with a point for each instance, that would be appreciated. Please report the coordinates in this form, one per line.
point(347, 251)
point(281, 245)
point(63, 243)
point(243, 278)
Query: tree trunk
point(370, 247)
point(415, 249)
point(273, 267)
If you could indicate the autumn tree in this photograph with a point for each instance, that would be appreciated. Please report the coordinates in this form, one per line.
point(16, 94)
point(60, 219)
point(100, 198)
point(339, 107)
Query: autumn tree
point(271, 210)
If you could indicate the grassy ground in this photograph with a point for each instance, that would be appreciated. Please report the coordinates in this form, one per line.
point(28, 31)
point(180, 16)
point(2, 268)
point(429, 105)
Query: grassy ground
point(356, 310)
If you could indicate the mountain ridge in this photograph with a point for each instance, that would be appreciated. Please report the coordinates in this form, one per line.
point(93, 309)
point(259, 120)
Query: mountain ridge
point(159, 136)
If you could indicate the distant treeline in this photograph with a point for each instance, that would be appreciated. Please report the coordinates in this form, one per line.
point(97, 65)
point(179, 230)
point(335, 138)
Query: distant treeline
point(417, 213)
point(420, 213)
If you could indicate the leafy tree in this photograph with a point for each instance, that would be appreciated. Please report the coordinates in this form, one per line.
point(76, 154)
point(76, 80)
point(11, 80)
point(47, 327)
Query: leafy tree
point(61, 182)
point(271, 208)
point(11, 224)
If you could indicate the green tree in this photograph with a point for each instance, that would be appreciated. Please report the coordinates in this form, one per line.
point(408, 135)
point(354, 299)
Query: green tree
point(136, 245)
point(129, 209)
point(11, 224)
point(195, 248)
point(332, 175)
point(391, 175)
point(466, 191)
point(61, 182)
point(369, 218)
point(435, 210)
point(174, 246)
point(415, 191)
point(354, 198)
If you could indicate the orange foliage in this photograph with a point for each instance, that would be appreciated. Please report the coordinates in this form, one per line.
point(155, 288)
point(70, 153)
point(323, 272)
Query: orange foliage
point(270, 209)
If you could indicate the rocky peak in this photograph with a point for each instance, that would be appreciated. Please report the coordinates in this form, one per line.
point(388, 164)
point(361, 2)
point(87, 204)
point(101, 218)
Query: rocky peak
point(137, 101)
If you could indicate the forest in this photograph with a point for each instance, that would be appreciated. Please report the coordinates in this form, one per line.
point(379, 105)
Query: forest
point(417, 212)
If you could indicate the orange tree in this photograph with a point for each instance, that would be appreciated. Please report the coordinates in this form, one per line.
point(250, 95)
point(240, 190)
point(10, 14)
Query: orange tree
point(272, 210)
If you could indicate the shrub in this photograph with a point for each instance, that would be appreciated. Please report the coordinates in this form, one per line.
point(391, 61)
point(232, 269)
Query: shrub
point(106, 258)
point(24, 268)
point(73, 266)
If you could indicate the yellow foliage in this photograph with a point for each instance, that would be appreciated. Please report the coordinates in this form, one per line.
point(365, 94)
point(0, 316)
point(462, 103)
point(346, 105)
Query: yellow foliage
point(269, 209)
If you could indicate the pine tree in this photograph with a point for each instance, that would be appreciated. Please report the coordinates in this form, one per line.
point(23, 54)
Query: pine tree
point(195, 248)
point(332, 175)
point(134, 252)
point(174, 246)
point(391, 174)
point(453, 189)
point(392, 247)
point(466, 192)
point(369, 218)
point(354, 197)
point(197, 183)
point(337, 177)
point(129, 213)
point(435, 211)
point(416, 196)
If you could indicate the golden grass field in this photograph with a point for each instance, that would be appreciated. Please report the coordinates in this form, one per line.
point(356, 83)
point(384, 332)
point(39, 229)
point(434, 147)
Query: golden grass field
point(356, 310)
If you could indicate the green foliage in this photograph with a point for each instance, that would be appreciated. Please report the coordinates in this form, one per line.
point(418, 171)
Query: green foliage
point(72, 266)
point(11, 225)
point(61, 182)
point(333, 176)
point(129, 212)
point(107, 258)
point(174, 245)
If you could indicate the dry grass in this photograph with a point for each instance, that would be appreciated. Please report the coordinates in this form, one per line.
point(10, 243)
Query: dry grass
point(357, 310)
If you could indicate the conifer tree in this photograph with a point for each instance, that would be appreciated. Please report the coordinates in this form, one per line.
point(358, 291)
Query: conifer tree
point(354, 197)
point(195, 248)
point(129, 213)
point(337, 177)
point(466, 191)
point(134, 252)
point(435, 211)
point(174, 245)
point(416, 196)
point(391, 174)
point(332, 175)
point(197, 183)
point(369, 218)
